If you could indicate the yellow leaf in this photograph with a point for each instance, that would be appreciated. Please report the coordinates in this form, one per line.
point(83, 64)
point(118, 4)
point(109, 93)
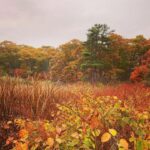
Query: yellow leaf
point(50, 142)
point(105, 137)
point(123, 144)
point(113, 132)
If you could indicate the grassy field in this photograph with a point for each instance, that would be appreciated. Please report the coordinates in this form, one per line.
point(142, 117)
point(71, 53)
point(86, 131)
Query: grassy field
point(40, 115)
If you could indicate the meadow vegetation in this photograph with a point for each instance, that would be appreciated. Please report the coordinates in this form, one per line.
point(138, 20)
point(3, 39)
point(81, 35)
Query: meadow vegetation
point(42, 115)
point(83, 95)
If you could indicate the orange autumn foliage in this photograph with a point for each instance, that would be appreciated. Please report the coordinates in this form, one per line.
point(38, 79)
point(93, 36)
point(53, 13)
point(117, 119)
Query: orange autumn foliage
point(23, 133)
point(143, 70)
point(139, 72)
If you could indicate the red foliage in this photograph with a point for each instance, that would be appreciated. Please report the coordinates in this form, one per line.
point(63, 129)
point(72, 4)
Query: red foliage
point(139, 73)
point(136, 94)
point(146, 58)
point(143, 70)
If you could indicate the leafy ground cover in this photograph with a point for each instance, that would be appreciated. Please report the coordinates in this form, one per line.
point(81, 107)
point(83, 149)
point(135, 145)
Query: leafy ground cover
point(38, 115)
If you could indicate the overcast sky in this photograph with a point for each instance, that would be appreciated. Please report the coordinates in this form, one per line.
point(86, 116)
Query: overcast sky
point(53, 22)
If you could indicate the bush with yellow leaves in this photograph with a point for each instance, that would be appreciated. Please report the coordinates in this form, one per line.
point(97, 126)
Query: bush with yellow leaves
point(90, 123)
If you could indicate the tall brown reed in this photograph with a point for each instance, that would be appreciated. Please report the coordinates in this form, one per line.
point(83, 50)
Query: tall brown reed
point(38, 99)
point(34, 99)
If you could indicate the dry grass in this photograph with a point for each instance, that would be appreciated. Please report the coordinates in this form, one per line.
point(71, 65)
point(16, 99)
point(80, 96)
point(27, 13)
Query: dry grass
point(30, 99)
point(37, 99)
point(72, 110)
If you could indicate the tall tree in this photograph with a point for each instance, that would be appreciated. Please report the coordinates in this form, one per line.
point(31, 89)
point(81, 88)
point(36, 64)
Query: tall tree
point(94, 56)
point(120, 48)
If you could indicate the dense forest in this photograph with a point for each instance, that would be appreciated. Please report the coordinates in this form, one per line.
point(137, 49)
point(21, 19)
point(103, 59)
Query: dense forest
point(104, 57)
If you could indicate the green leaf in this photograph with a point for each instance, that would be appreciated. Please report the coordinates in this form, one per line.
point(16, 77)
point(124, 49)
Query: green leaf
point(139, 145)
point(88, 142)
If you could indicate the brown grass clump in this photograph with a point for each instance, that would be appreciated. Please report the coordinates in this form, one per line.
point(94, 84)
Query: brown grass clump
point(37, 99)
point(32, 99)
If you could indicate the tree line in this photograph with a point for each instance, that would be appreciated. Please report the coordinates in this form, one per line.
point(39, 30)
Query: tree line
point(104, 57)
